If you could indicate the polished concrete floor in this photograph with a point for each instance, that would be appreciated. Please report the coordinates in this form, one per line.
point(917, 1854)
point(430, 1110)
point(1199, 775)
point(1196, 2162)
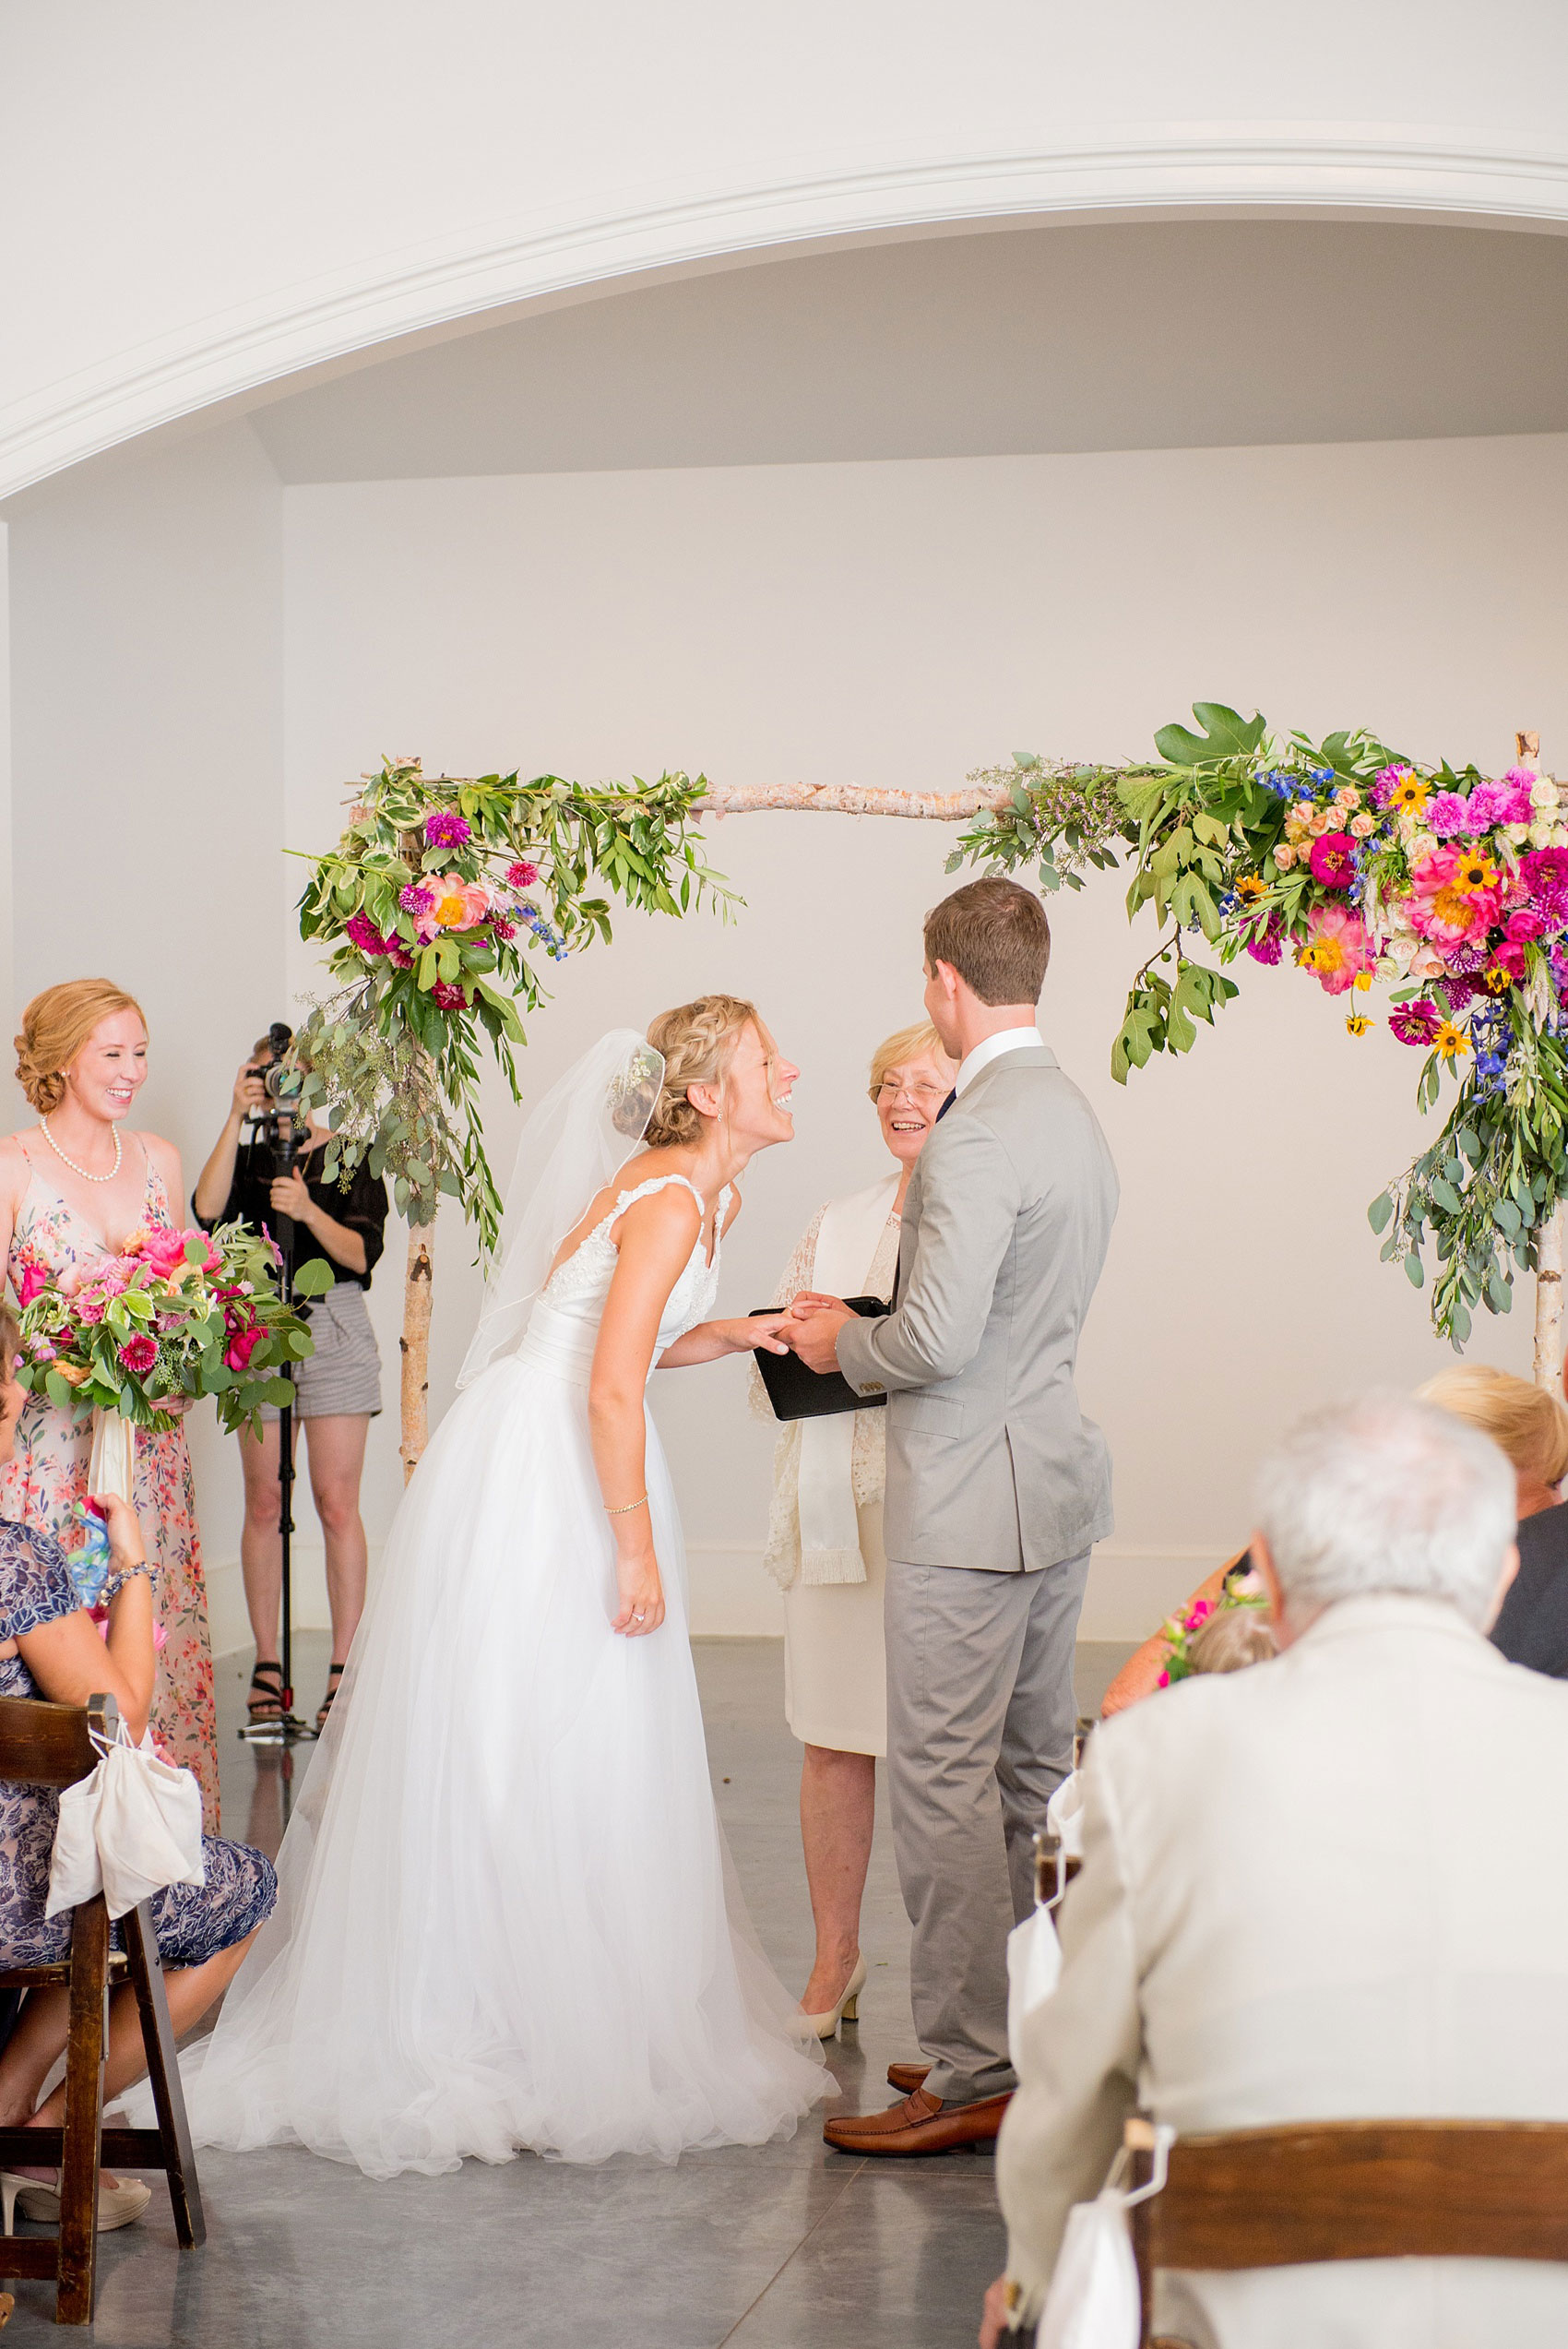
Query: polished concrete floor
point(784, 2247)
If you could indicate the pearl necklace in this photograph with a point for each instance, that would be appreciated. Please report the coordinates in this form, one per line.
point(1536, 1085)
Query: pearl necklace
point(43, 1129)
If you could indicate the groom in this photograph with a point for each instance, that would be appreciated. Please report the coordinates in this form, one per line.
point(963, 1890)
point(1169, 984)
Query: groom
point(997, 1488)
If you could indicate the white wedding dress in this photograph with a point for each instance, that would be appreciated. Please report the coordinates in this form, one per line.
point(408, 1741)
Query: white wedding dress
point(503, 1918)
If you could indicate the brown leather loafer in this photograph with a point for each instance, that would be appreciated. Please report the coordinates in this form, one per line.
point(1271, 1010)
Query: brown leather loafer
point(922, 2124)
point(907, 2078)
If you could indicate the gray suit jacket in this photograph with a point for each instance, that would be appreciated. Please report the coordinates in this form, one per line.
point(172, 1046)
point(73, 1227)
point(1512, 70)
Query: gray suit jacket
point(990, 1461)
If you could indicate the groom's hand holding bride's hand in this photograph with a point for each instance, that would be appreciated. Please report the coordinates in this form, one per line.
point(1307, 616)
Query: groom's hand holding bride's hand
point(812, 1327)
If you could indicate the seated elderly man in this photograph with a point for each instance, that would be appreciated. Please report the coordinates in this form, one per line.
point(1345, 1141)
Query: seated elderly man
point(1332, 1888)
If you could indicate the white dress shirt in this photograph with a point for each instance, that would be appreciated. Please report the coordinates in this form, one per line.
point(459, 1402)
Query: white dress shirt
point(992, 1048)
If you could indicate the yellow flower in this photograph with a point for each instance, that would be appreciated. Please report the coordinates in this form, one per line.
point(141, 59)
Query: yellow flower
point(1358, 1023)
point(1409, 792)
point(1362, 979)
point(1449, 1042)
point(1473, 872)
point(1250, 887)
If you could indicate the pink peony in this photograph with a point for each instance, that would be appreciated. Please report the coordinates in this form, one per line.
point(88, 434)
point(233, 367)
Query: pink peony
point(1333, 860)
point(138, 1354)
point(360, 931)
point(1451, 899)
point(1338, 948)
point(165, 1249)
point(457, 904)
point(1416, 1023)
point(241, 1347)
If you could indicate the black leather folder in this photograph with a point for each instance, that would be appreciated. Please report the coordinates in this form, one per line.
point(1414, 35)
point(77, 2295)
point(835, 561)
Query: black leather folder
point(795, 1392)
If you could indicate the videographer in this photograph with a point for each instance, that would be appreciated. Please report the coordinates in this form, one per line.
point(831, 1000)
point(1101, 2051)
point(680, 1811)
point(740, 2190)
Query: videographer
point(338, 1389)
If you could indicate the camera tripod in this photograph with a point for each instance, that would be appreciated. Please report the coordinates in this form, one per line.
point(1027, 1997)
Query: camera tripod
point(289, 1730)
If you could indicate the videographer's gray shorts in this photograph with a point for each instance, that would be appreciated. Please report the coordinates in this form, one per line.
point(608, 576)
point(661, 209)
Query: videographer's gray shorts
point(343, 1375)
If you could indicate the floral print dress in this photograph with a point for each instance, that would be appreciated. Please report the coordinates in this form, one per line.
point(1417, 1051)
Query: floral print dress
point(47, 1476)
point(193, 1922)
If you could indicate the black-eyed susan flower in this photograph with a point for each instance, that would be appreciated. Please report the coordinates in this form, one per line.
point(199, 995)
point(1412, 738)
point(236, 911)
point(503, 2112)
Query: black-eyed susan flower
point(1357, 1024)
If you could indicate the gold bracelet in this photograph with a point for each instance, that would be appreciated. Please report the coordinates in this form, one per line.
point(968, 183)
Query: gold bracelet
point(626, 1507)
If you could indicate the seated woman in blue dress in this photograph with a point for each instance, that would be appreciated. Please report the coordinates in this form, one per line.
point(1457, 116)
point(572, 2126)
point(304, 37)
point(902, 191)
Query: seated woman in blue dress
point(50, 1647)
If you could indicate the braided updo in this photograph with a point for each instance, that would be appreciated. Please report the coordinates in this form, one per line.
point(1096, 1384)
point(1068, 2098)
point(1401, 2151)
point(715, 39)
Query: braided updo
point(697, 1040)
point(56, 1025)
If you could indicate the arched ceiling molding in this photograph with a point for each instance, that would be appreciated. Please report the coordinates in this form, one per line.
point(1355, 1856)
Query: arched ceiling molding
point(1290, 171)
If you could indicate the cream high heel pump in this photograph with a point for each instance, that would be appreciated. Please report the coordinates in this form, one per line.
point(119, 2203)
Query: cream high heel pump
point(848, 2009)
point(117, 2205)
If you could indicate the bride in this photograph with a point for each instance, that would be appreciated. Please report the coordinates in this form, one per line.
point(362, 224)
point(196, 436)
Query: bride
point(502, 1918)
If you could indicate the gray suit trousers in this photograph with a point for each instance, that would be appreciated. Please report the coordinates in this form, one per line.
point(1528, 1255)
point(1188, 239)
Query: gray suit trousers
point(981, 1715)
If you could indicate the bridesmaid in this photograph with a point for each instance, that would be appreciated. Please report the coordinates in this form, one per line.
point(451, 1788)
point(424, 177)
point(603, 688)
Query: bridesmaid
point(73, 1187)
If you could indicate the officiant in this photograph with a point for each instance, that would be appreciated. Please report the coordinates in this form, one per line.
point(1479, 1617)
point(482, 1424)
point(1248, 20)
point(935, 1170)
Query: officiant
point(825, 1539)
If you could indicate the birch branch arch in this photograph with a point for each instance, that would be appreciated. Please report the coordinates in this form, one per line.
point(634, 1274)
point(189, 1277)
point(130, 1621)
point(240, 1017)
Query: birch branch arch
point(445, 895)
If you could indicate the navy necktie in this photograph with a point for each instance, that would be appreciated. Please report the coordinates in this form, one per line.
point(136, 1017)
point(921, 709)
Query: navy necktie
point(946, 1105)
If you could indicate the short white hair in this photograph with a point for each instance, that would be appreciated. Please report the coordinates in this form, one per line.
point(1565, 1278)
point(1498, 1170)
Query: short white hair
point(1385, 1494)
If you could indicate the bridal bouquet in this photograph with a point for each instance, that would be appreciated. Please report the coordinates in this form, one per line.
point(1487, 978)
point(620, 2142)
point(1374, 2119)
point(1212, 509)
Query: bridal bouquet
point(174, 1314)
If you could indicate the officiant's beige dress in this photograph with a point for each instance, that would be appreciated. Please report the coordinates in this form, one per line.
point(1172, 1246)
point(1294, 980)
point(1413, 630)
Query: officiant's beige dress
point(835, 1661)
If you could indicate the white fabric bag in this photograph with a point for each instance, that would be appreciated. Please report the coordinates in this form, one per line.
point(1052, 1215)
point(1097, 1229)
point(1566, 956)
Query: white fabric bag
point(1064, 1815)
point(1093, 2302)
point(112, 1464)
point(1034, 1969)
point(127, 1830)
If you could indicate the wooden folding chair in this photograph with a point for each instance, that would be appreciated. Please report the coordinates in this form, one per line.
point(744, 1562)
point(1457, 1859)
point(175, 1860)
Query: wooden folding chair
point(1369, 2189)
point(46, 1745)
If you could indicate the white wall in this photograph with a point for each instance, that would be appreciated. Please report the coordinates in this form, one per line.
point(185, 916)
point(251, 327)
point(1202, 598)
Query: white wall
point(146, 693)
point(901, 623)
point(216, 197)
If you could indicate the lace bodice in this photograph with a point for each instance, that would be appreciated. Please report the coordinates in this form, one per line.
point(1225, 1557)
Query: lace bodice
point(573, 1298)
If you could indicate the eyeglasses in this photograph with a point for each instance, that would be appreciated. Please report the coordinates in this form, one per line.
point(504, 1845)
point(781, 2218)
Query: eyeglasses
point(889, 1090)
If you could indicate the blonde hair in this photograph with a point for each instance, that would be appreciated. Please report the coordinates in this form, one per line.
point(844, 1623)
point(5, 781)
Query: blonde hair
point(1528, 1423)
point(697, 1041)
point(10, 1337)
point(918, 1043)
point(56, 1026)
point(1233, 1637)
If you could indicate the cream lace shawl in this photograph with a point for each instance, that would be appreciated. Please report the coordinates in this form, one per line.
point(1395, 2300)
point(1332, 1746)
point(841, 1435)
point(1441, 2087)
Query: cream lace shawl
point(869, 1452)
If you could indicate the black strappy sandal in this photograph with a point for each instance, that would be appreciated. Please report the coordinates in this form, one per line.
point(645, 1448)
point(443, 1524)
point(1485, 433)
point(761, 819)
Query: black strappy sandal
point(263, 1701)
point(334, 1677)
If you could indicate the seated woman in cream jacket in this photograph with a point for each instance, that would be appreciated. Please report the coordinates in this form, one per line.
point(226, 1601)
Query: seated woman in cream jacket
point(824, 1540)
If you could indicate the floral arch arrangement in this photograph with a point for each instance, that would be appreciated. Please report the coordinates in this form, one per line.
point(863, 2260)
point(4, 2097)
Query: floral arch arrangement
point(445, 895)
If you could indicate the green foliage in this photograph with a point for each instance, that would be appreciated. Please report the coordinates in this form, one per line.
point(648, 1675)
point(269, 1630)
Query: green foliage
point(1200, 832)
point(1482, 1192)
point(395, 1051)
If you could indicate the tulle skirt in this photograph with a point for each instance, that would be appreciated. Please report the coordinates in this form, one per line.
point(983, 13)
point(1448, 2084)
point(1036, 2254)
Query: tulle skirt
point(503, 1918)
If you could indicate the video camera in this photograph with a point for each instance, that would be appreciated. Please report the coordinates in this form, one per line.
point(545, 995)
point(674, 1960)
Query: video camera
point(279, 1124)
